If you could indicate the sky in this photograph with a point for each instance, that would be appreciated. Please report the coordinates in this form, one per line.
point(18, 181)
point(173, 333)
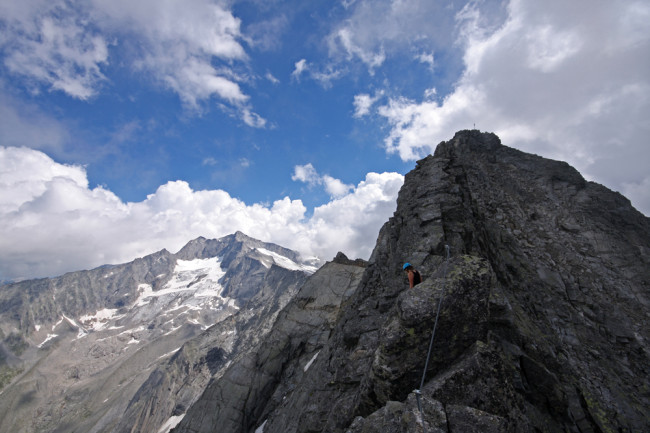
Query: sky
point(130, 126)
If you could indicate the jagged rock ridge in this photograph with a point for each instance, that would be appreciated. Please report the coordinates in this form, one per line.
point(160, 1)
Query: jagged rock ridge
point(543, 326)
point(75, 349)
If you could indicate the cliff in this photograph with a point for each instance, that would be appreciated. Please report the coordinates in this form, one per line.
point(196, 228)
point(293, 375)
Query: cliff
point(543, 323)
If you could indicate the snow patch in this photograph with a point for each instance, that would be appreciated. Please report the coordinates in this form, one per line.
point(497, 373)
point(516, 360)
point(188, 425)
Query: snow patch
point(171, 423)
point(57, 323)
point(138, 329)
point(48, 338)
point(285, 262)
point(70, 321)
point(311, 361)
point(199, 277)
point(100, 319)
point(147, 292)
point(169, 353)
point(174, 329)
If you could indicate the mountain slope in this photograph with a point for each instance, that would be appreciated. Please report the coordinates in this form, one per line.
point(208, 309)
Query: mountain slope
point(83, 344)
point(259, 379)
point(543, 323)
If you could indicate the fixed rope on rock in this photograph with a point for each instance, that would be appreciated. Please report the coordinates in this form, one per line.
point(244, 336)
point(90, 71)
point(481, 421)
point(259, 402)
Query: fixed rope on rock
point(417, 392)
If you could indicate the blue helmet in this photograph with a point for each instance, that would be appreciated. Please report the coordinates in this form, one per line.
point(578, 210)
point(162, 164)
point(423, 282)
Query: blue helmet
point(406, 265)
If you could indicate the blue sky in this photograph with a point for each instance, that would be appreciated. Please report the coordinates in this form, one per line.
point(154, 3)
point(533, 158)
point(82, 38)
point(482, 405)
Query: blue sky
point(127, 127)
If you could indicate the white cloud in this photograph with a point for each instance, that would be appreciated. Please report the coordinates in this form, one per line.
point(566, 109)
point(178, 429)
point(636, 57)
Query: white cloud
point(324, 76)
point(51, 222)
point(26, 174)
point(58, 51)
point(363, 102)
point(299, 67)
point(426, 58)
point(253, 119)
point(191, 47)
point(344, 38)
point(308, 174)
point(334, 187)
point(550, 81)
point(377, 30)
point(269, 76)
point(351, 223)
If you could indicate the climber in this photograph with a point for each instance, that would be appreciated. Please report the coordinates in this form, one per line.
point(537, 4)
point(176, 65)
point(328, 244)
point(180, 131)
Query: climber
point(413, 275)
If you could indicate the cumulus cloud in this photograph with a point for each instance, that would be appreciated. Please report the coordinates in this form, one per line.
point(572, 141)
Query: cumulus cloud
point(192, 48)
point(53, 222)
point(363, 102)
point(308, 174)
point(547, 83)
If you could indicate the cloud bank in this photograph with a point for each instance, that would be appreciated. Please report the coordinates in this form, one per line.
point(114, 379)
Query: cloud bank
point(53, 222)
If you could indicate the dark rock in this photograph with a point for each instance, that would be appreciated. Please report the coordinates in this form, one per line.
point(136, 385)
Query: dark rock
point(544, 321)
point(343, 260)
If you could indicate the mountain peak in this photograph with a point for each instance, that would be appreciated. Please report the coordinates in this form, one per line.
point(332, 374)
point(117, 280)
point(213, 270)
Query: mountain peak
point(521, 344)
point(241, 236)
point(469, 140)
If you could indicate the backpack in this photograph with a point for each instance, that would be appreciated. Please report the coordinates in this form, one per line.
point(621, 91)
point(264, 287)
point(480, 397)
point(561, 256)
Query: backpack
point(417, 279)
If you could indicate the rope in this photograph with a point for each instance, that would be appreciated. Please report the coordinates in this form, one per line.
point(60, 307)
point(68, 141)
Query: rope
point(418, 394)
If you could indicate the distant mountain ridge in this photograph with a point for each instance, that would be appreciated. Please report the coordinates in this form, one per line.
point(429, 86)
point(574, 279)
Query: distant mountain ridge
point(119, 321)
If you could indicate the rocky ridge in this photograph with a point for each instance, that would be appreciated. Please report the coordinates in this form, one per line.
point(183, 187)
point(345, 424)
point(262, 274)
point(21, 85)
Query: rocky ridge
point(543, 323)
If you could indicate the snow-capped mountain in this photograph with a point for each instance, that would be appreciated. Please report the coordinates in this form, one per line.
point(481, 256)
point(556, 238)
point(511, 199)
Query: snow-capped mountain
point(75, 349)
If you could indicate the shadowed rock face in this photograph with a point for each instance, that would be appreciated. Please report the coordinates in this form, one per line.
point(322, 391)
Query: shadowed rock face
point(543, 323)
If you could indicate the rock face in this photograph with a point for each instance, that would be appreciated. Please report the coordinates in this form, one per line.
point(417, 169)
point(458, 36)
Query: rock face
point(75, 350)
point(259, 379)
point(543, 323)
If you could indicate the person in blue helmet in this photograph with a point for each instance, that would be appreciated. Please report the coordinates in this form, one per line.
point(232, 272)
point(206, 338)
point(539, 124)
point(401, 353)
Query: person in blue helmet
point(413, 275)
